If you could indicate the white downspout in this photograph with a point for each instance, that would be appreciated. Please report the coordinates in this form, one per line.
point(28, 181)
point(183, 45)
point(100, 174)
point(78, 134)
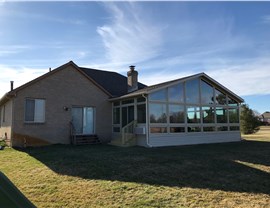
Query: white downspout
point(147, 121)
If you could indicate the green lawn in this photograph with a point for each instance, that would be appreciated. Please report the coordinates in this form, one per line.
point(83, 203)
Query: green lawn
point(214, 175)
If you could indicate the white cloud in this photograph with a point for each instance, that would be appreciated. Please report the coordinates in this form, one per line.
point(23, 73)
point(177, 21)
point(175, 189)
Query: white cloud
point(13, 49)
point(64, 21)
point(209, 46)
point(246, 78)
point(20, 76)
point(129, 39)
point(250, 78)
point(161, 76)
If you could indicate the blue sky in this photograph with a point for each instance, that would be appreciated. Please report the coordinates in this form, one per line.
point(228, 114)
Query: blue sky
point(230, 41)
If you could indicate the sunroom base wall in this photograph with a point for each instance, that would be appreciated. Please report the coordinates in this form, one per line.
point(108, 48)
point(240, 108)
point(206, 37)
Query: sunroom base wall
point(161, 140)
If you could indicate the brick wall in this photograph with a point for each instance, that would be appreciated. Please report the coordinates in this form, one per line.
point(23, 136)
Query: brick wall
point(64, 88)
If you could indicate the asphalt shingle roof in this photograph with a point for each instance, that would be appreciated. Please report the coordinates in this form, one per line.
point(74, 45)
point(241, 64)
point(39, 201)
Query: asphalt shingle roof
point(112, 82)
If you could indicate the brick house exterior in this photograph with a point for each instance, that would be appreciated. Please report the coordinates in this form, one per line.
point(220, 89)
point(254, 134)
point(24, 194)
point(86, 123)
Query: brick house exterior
point(61, 89)
point(71, 103)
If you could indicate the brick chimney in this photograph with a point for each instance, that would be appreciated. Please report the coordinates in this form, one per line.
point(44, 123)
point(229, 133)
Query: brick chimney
point(132, 79)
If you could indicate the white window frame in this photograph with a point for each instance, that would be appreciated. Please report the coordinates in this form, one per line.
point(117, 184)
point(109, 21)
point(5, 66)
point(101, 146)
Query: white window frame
point(39, 117)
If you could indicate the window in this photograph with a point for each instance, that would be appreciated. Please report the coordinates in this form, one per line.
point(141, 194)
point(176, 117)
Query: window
point(35, 110)
point(116, 129)
point(208, 128)
point(234, 128)
point(158, 130)
point(116, 103)
point(232, 102)
point(233, 115)
point(192, 91)
point(128, 101)
point(220, 98)
point(160, 95)
point(207, 96)
point(222, 128)
point(116, 116)
point(176, 93)
point(141, 113)
point(177, 113)
point(177, 129)
point(127, 115)
point(157, 113)
point(221, 114)
point(140, 99)
point(208, 115)
point(194, 129)
point(193, 114)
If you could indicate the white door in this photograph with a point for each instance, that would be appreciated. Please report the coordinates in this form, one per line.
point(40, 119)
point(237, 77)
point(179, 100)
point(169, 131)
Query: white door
point(83, 120)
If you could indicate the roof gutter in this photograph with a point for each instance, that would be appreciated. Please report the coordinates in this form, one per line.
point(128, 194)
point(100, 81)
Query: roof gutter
point(6, 97)
point(126, 97)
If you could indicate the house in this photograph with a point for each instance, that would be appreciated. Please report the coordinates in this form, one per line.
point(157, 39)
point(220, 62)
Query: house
point(265, 117)
point(71, 104)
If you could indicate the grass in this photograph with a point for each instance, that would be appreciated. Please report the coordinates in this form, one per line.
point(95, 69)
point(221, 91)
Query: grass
point(262, 135)
point(212, 175)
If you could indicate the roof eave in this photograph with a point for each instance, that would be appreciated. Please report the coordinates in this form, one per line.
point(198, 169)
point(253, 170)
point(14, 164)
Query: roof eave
point(232, 94)
point(41, 77)
point(6, 97)
point(127, 96)
point(173, 82)
point(50, 73)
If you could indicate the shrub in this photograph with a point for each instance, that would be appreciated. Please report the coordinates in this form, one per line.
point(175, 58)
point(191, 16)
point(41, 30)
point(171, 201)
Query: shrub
point(3, 143)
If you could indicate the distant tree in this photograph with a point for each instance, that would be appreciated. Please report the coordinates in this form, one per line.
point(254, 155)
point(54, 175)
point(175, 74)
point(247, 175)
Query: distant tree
point(249, 122)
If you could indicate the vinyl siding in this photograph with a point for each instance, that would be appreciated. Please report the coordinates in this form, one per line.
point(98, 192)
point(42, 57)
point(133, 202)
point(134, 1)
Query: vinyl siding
point(158, 140)
point(141, 140)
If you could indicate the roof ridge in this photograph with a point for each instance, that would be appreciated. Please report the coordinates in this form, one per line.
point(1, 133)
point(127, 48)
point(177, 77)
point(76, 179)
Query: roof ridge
point(101, 70)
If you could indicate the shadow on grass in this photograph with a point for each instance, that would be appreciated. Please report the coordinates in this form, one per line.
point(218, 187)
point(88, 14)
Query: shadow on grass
point(211, 166)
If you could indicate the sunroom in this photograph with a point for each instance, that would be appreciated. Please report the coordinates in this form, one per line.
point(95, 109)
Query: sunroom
point(191, 110)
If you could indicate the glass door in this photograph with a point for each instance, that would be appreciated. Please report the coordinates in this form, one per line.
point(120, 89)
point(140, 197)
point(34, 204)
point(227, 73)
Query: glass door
point(83, 120)
point(88, 120)
point(127, 115)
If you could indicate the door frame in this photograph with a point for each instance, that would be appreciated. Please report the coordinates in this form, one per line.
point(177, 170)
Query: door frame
point(128, 115)
point(94, 117)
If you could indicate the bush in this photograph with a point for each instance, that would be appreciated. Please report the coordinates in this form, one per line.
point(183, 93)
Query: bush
point(249, 122)
point(3, 143)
